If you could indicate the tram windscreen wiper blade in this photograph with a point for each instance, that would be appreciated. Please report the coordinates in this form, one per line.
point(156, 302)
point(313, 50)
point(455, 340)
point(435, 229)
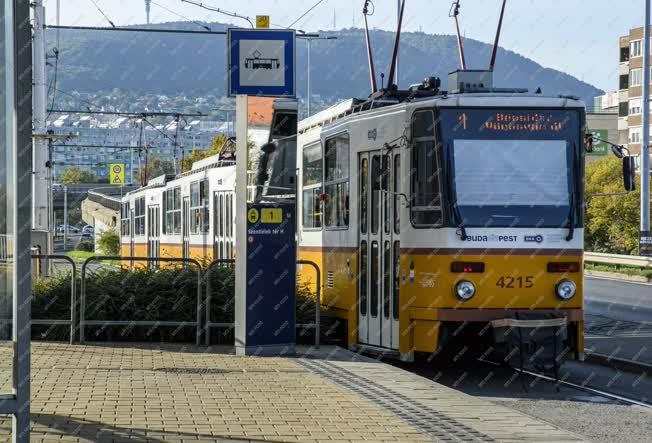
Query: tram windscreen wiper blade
point(461, 230)
point(572, 206)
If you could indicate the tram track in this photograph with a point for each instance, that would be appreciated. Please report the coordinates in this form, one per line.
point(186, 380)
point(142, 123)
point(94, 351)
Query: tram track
point(580, 387)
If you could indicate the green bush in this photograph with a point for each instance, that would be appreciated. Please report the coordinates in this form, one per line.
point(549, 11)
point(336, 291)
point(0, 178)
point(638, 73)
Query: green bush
point(85, 246)
point(109, 242)
point(168, 293)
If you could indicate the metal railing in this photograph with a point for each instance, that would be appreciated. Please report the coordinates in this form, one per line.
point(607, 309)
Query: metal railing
point(82, 315)
point(73, 294)
point(616, 259)
point(208, 324)
point(209, 297)
point(317, 300)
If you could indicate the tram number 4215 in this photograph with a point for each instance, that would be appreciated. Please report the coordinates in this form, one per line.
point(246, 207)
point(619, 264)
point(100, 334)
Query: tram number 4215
point(508, 282)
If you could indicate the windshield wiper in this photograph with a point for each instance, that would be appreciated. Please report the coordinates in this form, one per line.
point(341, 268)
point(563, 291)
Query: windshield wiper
point(572, 210)
point(461, 230)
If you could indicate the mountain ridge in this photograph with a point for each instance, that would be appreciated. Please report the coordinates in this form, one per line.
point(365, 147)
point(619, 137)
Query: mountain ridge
point(193, 64)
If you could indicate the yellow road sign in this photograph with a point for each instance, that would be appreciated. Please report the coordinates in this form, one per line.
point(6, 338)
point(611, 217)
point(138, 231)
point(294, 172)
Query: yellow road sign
point(262, 21)
point(252, 215)
point(117, 174)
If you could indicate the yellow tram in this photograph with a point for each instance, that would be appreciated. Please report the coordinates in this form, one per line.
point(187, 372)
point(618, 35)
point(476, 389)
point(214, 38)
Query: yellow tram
point(444, 211)
point(424, 215)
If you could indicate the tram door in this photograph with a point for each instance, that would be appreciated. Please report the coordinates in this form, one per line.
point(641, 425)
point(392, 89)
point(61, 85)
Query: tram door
point(153, 233)
point(223, 228)
point(378, 249)
point(186, 228)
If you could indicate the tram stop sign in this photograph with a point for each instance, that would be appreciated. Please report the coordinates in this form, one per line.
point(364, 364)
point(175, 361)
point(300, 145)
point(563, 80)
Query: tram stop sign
point(271, 280)
point(117, 174)
point(261, 62)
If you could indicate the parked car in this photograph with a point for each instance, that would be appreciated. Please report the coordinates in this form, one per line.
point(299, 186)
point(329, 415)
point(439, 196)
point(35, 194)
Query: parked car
point(71, 229)
point(87, 236)
point(88, 229)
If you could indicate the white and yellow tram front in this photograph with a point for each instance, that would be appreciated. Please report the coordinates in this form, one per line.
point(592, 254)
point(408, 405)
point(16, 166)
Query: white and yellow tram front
point(447, 211)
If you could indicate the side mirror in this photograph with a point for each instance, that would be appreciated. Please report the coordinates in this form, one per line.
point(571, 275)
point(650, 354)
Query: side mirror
point(588, 142)
point(268, 148)
point(629, 173)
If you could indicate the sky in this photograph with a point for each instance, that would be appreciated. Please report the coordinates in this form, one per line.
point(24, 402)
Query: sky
point(579, 37)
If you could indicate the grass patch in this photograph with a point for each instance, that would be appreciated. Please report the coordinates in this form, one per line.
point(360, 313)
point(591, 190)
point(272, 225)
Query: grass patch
point(620, 269)
point(83, 255)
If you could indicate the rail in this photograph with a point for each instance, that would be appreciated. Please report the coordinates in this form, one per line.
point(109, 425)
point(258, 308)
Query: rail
point(73, 294)
point(616, 259)
point(208, 324)
point(98, 258)
point(209, 297)
point(317, 300)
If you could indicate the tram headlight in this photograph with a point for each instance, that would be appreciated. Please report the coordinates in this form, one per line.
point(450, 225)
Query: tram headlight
point(565, 289)
point(464, 289)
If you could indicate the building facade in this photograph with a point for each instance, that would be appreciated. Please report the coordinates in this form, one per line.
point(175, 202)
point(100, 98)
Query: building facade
point(97, 143)
point(630, 89)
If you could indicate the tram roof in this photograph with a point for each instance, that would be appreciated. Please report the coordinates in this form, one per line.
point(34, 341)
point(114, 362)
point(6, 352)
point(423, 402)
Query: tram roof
point(354, 107)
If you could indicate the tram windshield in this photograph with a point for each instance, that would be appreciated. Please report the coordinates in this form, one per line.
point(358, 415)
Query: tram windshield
point(513, 168)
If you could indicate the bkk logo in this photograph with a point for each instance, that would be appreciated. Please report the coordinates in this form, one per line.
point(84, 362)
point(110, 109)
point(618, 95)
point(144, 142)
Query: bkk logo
point(534, 238)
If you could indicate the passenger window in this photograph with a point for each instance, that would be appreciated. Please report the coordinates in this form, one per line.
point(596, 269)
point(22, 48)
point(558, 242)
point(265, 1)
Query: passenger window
point(312, 177)
point(336, 182)
point(375, 191)
point(363, 278)
point(397, 192)
point(426, 210)
point(364, 195)
point(375, 282)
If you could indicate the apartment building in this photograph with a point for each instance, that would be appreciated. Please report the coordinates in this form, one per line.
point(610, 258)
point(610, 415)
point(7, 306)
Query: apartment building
point(98, 143)
point(630, 90)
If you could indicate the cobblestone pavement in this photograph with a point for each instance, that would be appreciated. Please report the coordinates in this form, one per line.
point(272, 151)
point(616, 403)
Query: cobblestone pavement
point(175, 393)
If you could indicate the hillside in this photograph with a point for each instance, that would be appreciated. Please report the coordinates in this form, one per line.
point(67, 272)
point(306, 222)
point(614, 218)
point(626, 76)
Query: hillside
point(194, 65)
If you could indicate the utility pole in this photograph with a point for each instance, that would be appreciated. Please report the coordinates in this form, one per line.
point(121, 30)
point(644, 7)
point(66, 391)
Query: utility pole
point(309, 90)
point(645, 145)
point(65, 217)
point(39, 171)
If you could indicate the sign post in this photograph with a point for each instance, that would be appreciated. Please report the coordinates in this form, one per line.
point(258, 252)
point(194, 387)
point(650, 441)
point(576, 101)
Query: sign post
point(262, 62)
point(117, 174)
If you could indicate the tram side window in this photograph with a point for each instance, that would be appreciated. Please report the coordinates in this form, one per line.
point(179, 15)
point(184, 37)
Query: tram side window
point(426, 198)
point(124, 219)
point(312, 176)
point(336, 182)
point(172, 211)
point(139, 216)
point(199, 207)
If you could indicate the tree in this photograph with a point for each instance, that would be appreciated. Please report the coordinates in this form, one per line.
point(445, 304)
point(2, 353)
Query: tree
point(74, 175)
point(217, 144)
point(109, 242)
point(156, 167)
point(611, 221)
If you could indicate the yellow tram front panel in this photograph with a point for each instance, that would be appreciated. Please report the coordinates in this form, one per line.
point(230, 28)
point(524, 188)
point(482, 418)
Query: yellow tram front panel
point(511, 281)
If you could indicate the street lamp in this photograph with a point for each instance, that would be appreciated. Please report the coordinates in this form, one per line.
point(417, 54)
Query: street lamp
point(310, 39)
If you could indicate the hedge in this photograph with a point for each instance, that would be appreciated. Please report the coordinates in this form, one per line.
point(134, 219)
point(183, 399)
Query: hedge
point(165, 294)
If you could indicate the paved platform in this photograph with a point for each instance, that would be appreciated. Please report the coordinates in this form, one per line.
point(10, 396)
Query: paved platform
point(175, 393)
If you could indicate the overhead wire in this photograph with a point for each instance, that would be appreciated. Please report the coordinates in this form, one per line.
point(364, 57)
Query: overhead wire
point(181, 16)
point(102, 12)
point(306, 13)
point(221, 11)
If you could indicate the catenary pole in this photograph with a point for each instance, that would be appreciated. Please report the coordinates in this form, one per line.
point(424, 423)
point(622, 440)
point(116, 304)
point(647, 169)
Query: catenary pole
point(645, 145)
point(39, 186)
